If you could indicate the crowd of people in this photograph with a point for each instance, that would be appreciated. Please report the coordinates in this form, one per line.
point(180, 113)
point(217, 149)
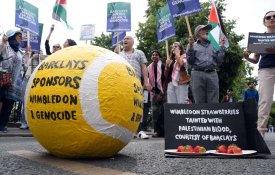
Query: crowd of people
point(170, 83)
point(167, 82)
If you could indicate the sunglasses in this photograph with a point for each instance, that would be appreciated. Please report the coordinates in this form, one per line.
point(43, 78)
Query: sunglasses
point(56, 47)
point(269, 17)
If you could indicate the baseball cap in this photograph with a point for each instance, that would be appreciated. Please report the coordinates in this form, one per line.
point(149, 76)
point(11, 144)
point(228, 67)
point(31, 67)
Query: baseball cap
point(200, 27)
point(12, 32)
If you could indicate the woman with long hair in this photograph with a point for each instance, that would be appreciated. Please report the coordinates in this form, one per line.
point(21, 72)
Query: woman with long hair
point(177, 76)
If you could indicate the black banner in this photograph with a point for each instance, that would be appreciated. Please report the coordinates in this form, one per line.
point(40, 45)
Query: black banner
point(207, 125)
point(259, 42)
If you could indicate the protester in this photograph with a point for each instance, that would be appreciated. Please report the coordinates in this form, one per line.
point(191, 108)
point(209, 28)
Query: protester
point(138, 61)
point(56, 47)
point(266, 74)
point(68, 43)
point(158, 95)
point(251, 93)
point(10, 66)
point(204, 58)
point(30, 65)
point(28, 55)
point(228, 98)
point(177, 76)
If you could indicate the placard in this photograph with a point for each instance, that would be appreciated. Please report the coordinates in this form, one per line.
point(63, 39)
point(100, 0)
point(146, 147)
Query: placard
point(184, 7)
point(207, 125)
point(118, 17)
point(165, 24)
point(259, 42)
point(87, 32)
point(26, 16)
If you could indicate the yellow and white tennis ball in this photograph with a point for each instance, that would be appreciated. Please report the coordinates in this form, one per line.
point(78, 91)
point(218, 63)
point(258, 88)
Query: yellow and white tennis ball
point(84, 102)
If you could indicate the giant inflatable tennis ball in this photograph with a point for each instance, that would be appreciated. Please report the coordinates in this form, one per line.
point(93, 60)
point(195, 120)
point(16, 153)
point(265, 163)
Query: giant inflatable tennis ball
point(84, 102)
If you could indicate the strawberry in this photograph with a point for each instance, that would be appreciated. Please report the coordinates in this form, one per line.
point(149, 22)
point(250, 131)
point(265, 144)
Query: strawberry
point(180, 148)
point(237, 150)
point(230, 151)
point(202, 150)
point(197, 149)
point(222, 149)
point(232, 146)
point(187, 148)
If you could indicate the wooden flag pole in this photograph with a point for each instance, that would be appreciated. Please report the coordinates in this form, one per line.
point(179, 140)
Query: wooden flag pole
point(167, 50)
point(117, 42)
point(188, 26)
point(28, 38)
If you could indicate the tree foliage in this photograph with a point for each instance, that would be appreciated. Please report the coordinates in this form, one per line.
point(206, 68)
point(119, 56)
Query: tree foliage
point(232, 72)
point(103, 40)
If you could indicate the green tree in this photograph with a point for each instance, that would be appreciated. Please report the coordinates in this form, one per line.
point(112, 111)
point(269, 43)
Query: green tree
point(103, 40)
point(232, 72)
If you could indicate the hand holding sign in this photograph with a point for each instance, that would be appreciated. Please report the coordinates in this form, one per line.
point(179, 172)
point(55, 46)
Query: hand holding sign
point(191, 41)
point(261, 42)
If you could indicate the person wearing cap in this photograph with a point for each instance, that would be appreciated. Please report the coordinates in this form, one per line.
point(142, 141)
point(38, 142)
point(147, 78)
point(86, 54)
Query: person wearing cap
point(156, 80)
point(11, 63)
point(204, 58)
point(266, 74)
point(176, 75)
point(56, 47)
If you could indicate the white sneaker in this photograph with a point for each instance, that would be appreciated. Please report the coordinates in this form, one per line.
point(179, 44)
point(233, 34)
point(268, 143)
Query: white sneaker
point(143, 135)
point(24, 126)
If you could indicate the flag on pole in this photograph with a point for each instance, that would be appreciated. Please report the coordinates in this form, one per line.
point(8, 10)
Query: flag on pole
point(60, 12)
point(217, 28)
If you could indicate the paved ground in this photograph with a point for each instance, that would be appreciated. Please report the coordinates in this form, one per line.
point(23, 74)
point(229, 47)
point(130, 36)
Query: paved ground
point(24, 155)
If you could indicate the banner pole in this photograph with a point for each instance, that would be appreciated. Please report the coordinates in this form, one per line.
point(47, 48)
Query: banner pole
point(167, 50)
point(28, 38)
point(117, 42)
point(188, 26)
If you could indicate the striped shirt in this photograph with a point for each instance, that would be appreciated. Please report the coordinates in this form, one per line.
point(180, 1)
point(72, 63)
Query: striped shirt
point(135, 59)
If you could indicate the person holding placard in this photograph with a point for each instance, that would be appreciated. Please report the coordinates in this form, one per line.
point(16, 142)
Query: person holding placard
point(177, 76)
point(266, 74)
point(204, 58)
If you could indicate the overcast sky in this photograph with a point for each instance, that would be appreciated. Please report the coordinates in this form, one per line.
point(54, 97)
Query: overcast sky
point(249, 14)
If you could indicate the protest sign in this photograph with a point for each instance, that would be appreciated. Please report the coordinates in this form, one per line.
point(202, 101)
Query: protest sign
point(87, 32)
point(35, 40)
point(183, 7)
point(26, 16)
point(259, 42)
point(165, 24)
point(118, 17)
point(117, 37)
point(208, 125)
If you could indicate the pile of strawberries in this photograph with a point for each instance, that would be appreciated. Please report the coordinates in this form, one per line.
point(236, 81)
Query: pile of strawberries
point(231, 149)
point(190, 149)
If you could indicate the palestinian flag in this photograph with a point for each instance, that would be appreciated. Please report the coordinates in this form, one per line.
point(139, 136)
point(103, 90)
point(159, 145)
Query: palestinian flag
point(217, 28)
point(60, 12)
